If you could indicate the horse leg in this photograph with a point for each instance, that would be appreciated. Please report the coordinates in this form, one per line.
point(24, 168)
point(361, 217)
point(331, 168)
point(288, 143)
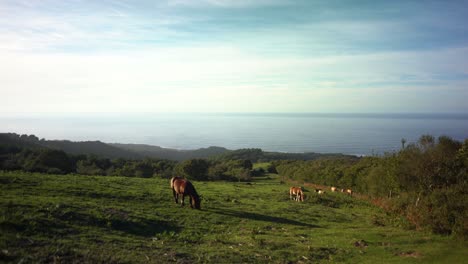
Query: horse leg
point(183, 199)
point(176, 198)
point(190, 200)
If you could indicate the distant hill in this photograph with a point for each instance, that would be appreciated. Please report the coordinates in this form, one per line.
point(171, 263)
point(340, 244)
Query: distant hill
point(140, 151)
point(22, 141)
point(105, 150)
point(75, 148)
point(258, 155)
point(171, 154)
point(97, 148)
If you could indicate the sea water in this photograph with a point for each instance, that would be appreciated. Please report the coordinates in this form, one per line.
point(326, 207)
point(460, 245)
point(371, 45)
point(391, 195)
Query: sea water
point(360, 134)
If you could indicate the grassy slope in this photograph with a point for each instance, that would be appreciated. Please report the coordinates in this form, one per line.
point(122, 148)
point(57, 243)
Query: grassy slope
point(116, 219)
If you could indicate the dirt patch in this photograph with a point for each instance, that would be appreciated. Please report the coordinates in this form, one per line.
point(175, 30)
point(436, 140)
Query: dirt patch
point(118, 213)
point(361, 244)
point(385, 244)
point(409, 254)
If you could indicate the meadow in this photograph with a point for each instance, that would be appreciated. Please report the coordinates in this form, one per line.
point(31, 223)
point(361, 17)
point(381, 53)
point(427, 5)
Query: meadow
point(96, 219)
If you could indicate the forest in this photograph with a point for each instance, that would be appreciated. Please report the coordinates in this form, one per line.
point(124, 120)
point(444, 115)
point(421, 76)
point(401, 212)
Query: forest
point(21, 153)
point(53, 161)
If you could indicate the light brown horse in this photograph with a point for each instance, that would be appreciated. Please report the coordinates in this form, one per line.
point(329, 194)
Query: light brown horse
point(349, 192)
point(296, 194)
point(182, 187)
point(319, 191)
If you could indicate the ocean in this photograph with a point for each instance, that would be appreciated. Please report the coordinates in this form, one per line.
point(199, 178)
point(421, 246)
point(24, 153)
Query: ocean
point(358, 134)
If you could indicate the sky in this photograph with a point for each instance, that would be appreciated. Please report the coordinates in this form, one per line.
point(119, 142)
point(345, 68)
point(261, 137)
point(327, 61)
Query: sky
point(219, 56)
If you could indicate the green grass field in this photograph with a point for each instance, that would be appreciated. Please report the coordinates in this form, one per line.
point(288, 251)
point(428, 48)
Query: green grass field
point(72, 218)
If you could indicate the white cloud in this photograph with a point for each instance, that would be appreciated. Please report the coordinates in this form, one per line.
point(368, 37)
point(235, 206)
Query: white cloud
point(68, 26)
point(217, 79)
point(227, 3)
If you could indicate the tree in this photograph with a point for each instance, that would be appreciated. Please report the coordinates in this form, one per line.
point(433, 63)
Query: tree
point(88, 167)
point(196, 169)
point(143, 169)
point(50, 159)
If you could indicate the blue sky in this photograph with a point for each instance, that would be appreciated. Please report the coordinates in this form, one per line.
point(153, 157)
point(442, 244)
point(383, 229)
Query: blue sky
point(233, 56)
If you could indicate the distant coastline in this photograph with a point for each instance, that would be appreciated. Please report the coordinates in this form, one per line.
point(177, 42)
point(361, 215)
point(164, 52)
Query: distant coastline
point(142, 151)
point(348, 133)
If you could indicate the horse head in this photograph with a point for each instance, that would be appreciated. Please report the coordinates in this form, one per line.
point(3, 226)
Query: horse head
point(196, 201)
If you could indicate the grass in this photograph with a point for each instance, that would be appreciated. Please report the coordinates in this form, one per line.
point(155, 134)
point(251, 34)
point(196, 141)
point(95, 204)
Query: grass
point(73, 218)
point(263, 165)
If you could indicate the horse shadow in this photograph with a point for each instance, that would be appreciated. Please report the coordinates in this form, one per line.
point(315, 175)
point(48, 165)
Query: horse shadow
point(261, 217)
point(118, 220)
point(143, 227)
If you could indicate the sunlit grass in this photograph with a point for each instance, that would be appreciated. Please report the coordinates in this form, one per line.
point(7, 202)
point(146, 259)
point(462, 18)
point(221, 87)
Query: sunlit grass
point(68, 218)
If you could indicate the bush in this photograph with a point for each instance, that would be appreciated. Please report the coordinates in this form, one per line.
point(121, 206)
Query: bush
point(447, 211)
point(258, 172)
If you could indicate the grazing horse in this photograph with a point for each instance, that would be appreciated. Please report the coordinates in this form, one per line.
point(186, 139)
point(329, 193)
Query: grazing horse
point(296, 194)
point(349, 191)
point(183, 187)
point(319, 191)
point(333, 189)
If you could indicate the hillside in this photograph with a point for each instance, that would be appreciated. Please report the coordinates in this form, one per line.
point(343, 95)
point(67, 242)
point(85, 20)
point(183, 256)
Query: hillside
point(72, 218)
point(140, 151)
point(258, 155)
point(107, 150)
point(97, 148)
point(12, 140)
point(75, 148)
point(171, 154)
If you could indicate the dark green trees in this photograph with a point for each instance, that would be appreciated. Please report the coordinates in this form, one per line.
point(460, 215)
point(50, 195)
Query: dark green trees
point(193, 169)
point(48, 160)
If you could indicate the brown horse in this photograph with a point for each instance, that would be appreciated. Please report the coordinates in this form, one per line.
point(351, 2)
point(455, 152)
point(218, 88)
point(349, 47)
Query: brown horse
point(183, 187)
point(296, 194)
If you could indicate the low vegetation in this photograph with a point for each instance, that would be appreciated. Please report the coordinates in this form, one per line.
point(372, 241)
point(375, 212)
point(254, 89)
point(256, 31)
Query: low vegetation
point(76, 218)
point(426, 181)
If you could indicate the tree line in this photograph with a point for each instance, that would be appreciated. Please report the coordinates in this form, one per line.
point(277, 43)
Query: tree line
point(426, 181)
point(53, 161)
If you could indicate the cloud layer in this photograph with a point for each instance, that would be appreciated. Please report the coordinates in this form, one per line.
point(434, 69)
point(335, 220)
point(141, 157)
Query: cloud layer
point(233, 56)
